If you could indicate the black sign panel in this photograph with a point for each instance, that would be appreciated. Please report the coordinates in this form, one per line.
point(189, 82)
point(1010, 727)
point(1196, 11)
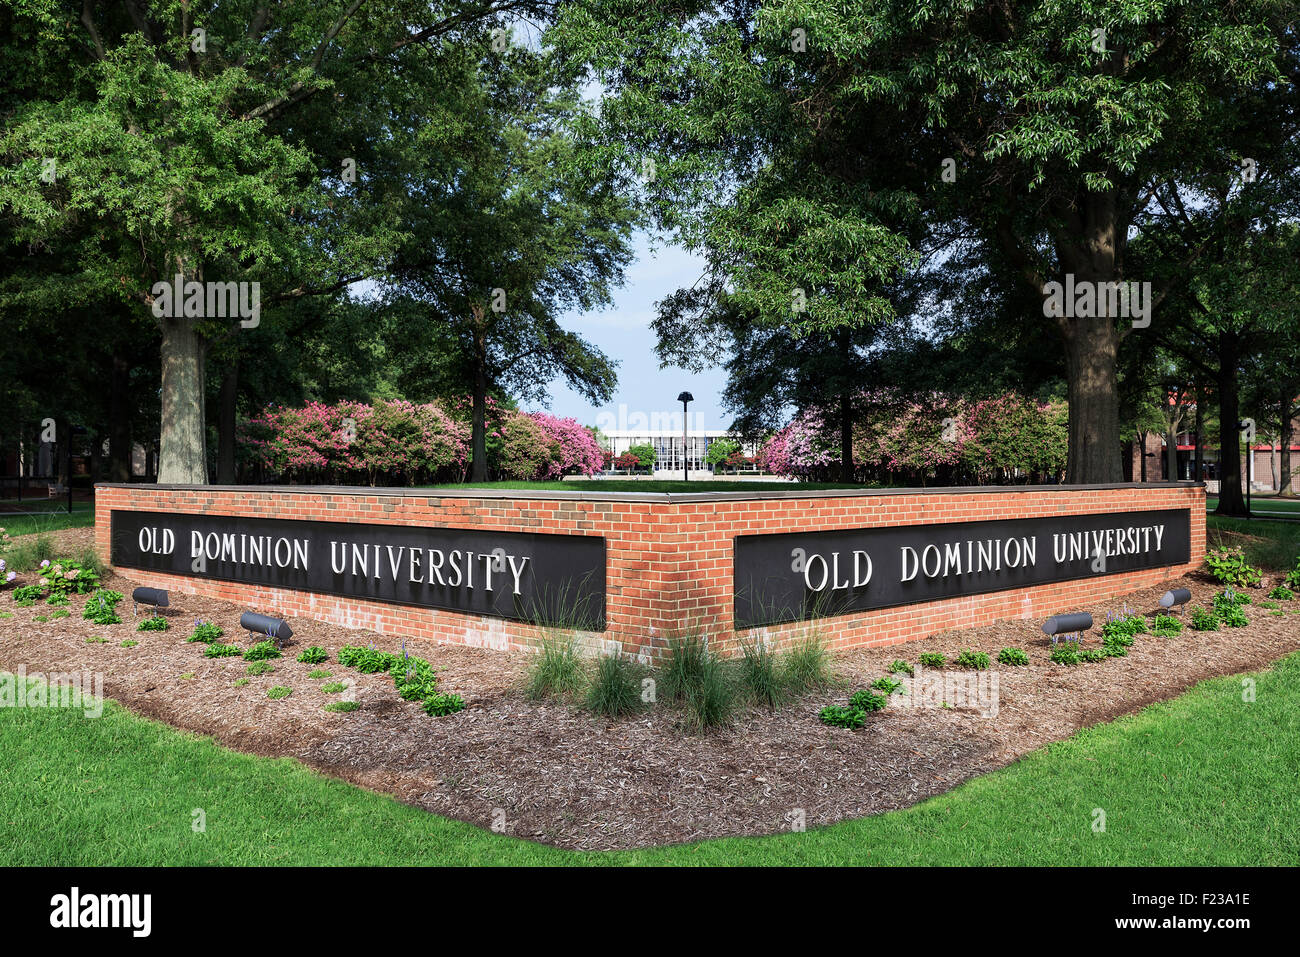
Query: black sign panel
point(549, 579)
point(800, 575)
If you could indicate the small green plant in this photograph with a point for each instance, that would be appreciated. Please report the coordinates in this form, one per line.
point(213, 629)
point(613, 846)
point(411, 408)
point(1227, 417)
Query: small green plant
point(1204, 620)
point(320, 673)
point(342, 706)
point(1234, 617)
point(807, 666)
point(6, 614)
point(868, 701)
point(262, 651)
point(240, 682)
point(187, 676)
point(31, 593)
point(41, 618)
point(972, 659)
point(889, 686)
point(334, 687)
point(24, 602)
point(260, 668)
point(58, 599)
point(217, 650)
point(436, 705)
point(1293, 577)
point(900, 667)
point(1281, 593)
point(1279, 613)
point(130, 643)
point(1093, 655)
point(932, 659)
point(841, 717)
point(555, 671)
point(1268, 605)
point(278, 692)
point(368, 661)
point(96, 640)
point(1166, 626)
point(206, 632)
point(1067, 653)
point(1228, 566)
point(1012, 656)
point(156, 623)
point(101, 607)
point(315, 655)
point(59, 613)
point(1116, 646)
point(615, 691)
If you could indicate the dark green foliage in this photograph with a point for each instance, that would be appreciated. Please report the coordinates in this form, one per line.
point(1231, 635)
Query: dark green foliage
point(970, 658)
point(206, 632)
point(900, 667)
point(867, 701)
point(932, 659)
point(314, 655)
point(1067, 653)
point(439, 705)
point(1166, 626)
point(1094, 655)
point(368, 661)
point(1281, 593)
point(262, 651)
point(217, 650)
point(29, 593)
point(1204, 620)
point(153, 623)
point(841, 717)
point(615, 691)
point(279, 691)
point(1228, 566)
point(1234, 617)
point(1013, 656)
point(101, 607)
point(888, 685)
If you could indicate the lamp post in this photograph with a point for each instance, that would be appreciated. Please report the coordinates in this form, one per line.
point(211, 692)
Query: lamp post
point(684, 398)
point(1247, 426)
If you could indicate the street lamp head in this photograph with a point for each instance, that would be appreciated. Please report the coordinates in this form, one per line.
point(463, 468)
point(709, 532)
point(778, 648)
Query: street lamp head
point(686, 397)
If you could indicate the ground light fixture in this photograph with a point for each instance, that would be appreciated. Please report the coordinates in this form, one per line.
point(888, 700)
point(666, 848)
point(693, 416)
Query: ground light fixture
point(1068, 623)
point(684, 398)
point(1175, 597)
point(154, 597)
point(276, 628)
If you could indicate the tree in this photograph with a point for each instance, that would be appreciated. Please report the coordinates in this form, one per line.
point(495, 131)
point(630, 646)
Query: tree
point(511, 231)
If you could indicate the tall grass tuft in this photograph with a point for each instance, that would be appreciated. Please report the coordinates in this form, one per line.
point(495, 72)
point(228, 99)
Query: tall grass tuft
point(760, 675)
point(710, 698)
point(26, 553)
point(688, 656)
point(556, 670)
point(615, 690)
point(807, 666)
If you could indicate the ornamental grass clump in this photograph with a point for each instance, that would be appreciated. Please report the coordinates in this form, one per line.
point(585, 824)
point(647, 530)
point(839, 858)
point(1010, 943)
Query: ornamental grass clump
point(807, 666)
point(760, 675)
point(556, 670)
point(615, 690)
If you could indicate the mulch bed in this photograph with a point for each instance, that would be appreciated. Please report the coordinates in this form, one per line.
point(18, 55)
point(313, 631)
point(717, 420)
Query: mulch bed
point(564, 777)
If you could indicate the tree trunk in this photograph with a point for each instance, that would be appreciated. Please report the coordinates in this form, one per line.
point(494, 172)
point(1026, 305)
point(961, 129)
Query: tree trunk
point(226, 423)
point(182, 453)
point(1171, 456)
point(1285, 438)
point(1094, 444)
point(120, 412)
point(1230, 498)
point(478, 445)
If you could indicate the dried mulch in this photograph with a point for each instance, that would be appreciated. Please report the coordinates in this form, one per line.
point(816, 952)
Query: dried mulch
point(563, 777)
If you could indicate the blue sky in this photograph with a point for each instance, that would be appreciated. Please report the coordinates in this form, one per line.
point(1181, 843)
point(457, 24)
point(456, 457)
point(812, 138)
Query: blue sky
point(623, 332)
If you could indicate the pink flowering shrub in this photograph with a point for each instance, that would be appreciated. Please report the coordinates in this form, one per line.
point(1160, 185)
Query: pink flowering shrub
point(574, 449)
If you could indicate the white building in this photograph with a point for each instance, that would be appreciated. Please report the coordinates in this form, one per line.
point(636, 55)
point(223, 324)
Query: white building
point(668, 447)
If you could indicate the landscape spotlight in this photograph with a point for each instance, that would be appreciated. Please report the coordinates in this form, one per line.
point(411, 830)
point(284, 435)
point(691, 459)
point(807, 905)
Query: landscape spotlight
point(156, 597)
point(1175, 597)
point(276, 628)
point(683, 399)
point(1068, 623)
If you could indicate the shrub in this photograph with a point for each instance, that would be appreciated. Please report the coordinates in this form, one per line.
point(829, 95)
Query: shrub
point(900, 667)
point(1234, 617)
point(1067, 653)
point(217, 650)
point(153, 623)
point(614, 691)
point(314, 655)
point(841, 717)
point(1012, 656)
point(1281, 593)
point(760, 674)
point(57, 599)
point(279, 691)
point(1204, 620)
point(260, 668)
point(205, 631)
point(440, 705)
point(866, 701)
point(101, 607)
point(807, 666)
point(1228, 566)
point(972, 659)
point(1228, 600)
point(334, 687)
point(1166, 626)
point(1293, 577)
point(68, 576)
point(342, 706)
point(555, 670)
point(262, 651)
point(26, 553)
point(932, 659)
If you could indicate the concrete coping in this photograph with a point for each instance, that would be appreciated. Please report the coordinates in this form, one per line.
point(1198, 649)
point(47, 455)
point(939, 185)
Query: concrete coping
point(786, 492)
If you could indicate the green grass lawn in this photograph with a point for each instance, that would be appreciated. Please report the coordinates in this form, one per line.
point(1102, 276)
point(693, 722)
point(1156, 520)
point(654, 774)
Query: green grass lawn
point(1270, 545)
point(83, 515)
point(1203, 779)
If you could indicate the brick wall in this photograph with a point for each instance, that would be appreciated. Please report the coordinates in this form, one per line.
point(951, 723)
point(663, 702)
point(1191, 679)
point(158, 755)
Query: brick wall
point(669, 557)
